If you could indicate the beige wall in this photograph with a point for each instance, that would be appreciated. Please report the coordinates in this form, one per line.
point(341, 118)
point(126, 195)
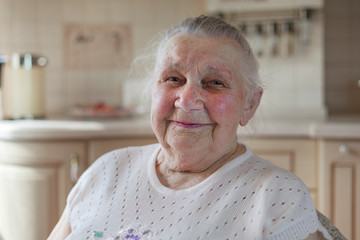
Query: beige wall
point(37, 26)
point(293, 80)
point(294, 84)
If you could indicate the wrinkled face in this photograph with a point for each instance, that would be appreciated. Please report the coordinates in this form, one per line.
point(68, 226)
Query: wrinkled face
point(198, 99)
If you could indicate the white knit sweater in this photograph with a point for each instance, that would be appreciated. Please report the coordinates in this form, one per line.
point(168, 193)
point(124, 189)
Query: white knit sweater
point(120, 197)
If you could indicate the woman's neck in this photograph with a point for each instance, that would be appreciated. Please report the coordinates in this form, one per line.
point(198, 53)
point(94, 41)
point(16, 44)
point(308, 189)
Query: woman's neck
point(173, 174)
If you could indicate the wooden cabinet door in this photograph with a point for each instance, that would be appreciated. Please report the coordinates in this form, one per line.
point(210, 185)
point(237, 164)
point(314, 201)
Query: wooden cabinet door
point(35, 179)
point(342, 57)
point(340, 185)
point(295, 155)
point(100, 147)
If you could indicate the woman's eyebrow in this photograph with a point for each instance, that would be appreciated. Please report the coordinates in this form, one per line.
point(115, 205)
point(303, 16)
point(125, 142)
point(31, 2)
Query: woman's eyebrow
point(177, 66)
point(222, 71)
point(170, 66)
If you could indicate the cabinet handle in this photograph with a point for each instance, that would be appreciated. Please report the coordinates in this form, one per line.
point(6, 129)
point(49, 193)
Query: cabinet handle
point(74, 167)
point(344, 149)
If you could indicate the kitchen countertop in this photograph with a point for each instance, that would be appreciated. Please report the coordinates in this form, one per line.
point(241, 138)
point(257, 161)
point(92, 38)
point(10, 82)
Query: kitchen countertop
point(57, 128)
point(73, 129)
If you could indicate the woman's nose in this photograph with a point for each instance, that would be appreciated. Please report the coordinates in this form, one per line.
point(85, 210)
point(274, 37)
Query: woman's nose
point(190, 98)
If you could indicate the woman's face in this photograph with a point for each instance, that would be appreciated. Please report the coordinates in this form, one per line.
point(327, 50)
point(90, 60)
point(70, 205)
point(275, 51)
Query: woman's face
point(198, 99)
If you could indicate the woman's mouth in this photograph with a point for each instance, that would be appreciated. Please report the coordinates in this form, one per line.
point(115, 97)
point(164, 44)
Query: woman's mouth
point(190, 124)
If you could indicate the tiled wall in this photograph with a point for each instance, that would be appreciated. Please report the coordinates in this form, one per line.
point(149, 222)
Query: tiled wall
point(294, 85)
point(37, 26)
point(293, 80)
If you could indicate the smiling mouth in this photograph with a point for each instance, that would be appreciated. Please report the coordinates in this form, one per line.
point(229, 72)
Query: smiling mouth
point(190, 125)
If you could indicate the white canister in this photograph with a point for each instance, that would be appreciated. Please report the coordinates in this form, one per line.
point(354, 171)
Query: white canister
point(23, 87)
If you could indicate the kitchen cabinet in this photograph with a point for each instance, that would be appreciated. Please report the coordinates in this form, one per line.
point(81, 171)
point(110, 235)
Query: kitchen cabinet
point(293, 154)
point(342, 57)
point(339, 178)
point(35, 178)
point(215, 6)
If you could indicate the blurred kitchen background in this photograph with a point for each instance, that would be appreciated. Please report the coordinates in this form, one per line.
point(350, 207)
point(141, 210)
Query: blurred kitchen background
point(75, 57)
point(89, 44)
point(308, 50)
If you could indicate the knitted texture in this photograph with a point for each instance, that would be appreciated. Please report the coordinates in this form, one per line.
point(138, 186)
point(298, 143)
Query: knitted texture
point(120, 197)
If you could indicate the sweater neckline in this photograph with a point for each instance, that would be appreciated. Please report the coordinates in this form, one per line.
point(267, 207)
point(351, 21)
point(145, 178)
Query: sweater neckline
point(158, 186)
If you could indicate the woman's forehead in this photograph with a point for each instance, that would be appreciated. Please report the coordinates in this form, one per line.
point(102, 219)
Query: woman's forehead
point(202, 68)
point(213, 54)
point(181, 43)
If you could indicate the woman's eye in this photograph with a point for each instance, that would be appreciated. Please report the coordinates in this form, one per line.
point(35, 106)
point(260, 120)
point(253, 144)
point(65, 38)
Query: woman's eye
point(217, 83)
point(173, 79)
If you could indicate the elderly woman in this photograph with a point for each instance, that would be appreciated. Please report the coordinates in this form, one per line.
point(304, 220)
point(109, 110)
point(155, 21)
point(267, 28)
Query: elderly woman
point(199, 182)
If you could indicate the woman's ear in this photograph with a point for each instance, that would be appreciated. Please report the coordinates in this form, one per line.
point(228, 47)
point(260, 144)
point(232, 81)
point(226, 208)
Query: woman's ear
point(251, 107)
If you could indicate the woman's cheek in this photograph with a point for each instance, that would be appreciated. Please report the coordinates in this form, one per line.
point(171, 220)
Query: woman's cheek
point(162, 103)
point(223, 107)
point(157, 117)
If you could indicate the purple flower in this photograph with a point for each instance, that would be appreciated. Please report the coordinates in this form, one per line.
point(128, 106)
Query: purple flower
point(132, 236)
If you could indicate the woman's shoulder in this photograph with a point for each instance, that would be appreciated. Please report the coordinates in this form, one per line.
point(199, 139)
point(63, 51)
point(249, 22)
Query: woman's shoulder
point(107, 167)
point(276, 180)
point(133, 150)
point(272, 170)
point(130, 152)
point(261, 166)
point(288, 207)
point(117, 159)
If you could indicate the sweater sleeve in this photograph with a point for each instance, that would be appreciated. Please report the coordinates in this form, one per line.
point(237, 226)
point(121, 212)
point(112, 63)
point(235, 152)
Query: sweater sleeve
point(86, 182)
point(75, 192)
point(289, 209)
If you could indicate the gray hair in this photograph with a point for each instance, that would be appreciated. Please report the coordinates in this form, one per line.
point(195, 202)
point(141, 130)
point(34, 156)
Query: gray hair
point(214, 27)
